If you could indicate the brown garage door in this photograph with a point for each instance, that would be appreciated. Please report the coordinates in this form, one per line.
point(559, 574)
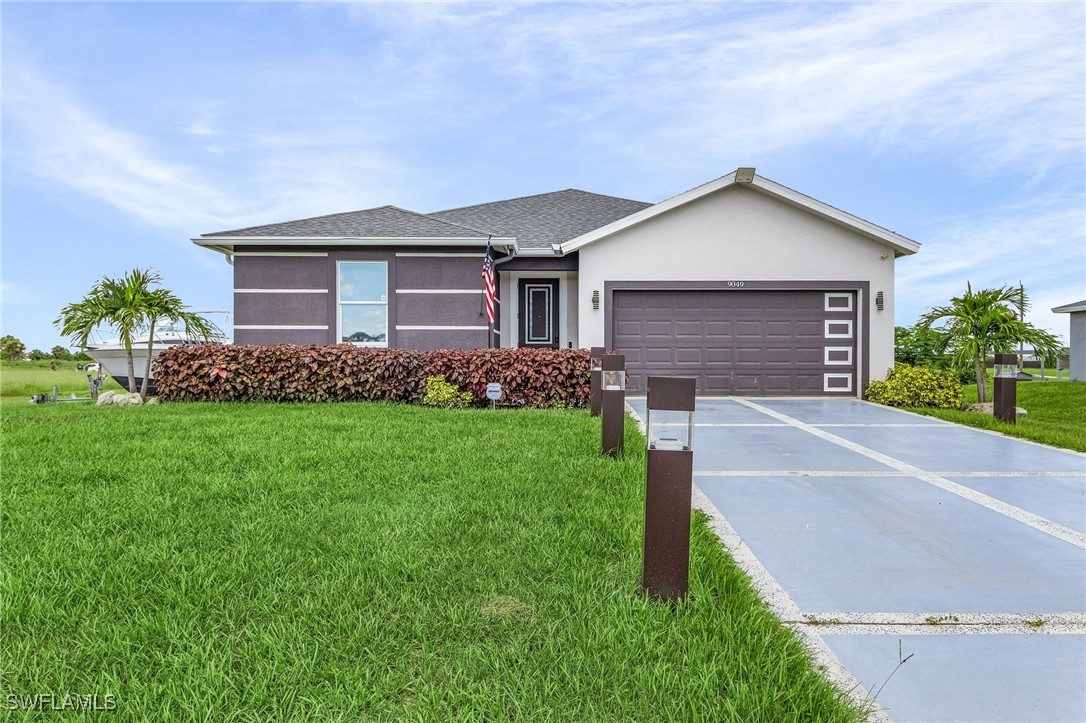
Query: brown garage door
point(740, 342)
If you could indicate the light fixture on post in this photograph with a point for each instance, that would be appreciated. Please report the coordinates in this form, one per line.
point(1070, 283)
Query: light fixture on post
point(596, 299)
point(669, 431)
point(613, 406)
point(880, 301)
point(595, 380)
point(1005, 388)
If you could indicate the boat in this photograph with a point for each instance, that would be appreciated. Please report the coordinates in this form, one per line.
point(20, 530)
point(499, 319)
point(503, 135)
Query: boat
point(111, 354)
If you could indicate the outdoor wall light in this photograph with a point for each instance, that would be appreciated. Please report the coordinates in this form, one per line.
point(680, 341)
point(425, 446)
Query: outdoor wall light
point(613, 406)
point(596, 299)
point(595, 380)
point(744, 175)
point(880, 301)
point(669, 465)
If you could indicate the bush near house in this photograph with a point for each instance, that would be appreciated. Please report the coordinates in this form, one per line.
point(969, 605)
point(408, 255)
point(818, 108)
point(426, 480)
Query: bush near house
point(907, 386)
point(441, 394)
point(291, 373)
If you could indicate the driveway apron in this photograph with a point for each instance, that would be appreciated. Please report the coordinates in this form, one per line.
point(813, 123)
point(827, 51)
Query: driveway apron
point(937, 570)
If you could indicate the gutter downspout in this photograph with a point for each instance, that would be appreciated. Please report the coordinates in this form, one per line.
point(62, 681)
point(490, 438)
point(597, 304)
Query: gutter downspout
point(511, 254)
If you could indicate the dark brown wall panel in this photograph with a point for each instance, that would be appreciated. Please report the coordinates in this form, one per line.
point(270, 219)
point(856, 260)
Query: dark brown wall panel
point(280, 336)
point(286, 309)
point(280, 272)
point(442, 339)
point(444, 272)
point(440, 310)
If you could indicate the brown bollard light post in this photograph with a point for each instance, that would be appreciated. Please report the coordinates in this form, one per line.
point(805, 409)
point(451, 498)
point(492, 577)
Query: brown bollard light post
point(1005, 389)
point(613, 403)
point(595, 398)
point(669, 430)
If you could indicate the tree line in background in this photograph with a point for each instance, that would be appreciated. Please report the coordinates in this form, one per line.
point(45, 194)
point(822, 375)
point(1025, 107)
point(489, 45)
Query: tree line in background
point(14, 350)
point(961, 336)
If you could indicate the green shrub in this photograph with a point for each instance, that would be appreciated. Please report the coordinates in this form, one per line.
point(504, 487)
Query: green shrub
point(907, 386)
point(439, 393)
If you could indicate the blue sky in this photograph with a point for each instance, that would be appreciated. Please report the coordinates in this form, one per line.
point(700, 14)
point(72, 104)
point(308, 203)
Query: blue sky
point(129, 128)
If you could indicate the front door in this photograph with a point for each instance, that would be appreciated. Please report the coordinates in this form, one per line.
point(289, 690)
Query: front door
point(539, 313)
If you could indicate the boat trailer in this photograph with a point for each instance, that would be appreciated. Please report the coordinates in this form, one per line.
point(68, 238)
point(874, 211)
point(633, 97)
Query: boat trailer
point(94, 382)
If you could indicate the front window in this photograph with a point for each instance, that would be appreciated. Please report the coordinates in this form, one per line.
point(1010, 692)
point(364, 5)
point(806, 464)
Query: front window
point(363, 302)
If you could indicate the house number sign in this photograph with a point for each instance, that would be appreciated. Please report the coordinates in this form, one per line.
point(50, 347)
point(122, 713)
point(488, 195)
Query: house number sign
point(736, 284)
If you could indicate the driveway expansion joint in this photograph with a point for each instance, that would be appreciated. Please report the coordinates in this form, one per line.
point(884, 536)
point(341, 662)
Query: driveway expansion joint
point(1015, 513)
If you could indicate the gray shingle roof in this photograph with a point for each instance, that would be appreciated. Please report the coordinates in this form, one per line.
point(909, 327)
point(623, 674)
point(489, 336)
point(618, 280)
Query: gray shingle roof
point(541, 220)
point(535, 221)
point(381, 222)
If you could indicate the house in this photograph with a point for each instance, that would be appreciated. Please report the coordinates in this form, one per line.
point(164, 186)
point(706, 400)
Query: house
point(746, 284)
point(1077, 311)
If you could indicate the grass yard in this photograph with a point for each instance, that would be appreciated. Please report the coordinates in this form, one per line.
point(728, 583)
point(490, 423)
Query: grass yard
point(1057, 413)
point(24, 379)
point(365, 562)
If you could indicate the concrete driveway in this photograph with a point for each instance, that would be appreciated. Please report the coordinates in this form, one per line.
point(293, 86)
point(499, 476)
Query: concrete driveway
point(882, 536)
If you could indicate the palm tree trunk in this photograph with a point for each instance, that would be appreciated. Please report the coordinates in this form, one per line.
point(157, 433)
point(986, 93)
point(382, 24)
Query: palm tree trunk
point(147, 370)
point(982, 379)
point(131, 364)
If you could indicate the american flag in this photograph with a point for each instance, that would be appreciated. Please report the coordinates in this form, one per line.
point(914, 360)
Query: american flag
point(490, 291)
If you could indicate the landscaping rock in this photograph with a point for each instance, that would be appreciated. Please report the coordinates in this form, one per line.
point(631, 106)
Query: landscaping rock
point(987, 408)
point(119, 399)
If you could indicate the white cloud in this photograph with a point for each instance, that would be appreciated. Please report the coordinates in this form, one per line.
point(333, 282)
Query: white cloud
point(264, 175)
point(1003, 80)
point(1034, 243)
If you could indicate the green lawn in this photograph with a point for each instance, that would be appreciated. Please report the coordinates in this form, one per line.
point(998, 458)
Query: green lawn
point(24, 379)
point(365, 562)
point(1057, 413)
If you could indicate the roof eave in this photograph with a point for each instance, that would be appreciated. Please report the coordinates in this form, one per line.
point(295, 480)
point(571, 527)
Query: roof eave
point(218, 243)
point(1070, 308)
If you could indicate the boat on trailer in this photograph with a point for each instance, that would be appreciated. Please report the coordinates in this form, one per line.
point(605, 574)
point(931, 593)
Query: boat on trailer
point(111, 354)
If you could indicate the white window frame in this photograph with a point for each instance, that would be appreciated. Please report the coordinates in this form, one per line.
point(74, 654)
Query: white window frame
point(846, 335)
point(340, 303)
point(838, 295)
point(826, 356)
point(844, 390)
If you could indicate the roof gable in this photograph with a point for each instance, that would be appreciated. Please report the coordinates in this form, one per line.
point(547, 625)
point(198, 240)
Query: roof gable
point(902, 246)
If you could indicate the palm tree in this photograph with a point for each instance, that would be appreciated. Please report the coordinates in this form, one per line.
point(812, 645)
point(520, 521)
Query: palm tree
point(127, 304)
point(164, 305)
point(988, 321)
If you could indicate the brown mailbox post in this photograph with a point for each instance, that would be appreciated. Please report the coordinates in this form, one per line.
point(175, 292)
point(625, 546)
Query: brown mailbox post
point(594, 380)
point(1005, 389)
point(669, 430)
point(613, 406)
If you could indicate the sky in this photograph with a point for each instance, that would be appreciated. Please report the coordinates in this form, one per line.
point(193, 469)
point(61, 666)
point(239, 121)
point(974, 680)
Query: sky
point(129, 128)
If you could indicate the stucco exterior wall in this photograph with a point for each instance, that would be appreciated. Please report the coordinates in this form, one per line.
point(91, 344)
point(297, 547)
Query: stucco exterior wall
point(740, 234)
point(1078, 346)
point(291, 296)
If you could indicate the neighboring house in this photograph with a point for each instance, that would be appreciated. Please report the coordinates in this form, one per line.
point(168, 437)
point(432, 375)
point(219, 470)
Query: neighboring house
point(1078, 337)
point(747, 285)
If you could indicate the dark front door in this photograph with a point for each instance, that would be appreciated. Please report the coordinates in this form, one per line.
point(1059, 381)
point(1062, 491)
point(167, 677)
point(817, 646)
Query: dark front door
point(539, 313)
